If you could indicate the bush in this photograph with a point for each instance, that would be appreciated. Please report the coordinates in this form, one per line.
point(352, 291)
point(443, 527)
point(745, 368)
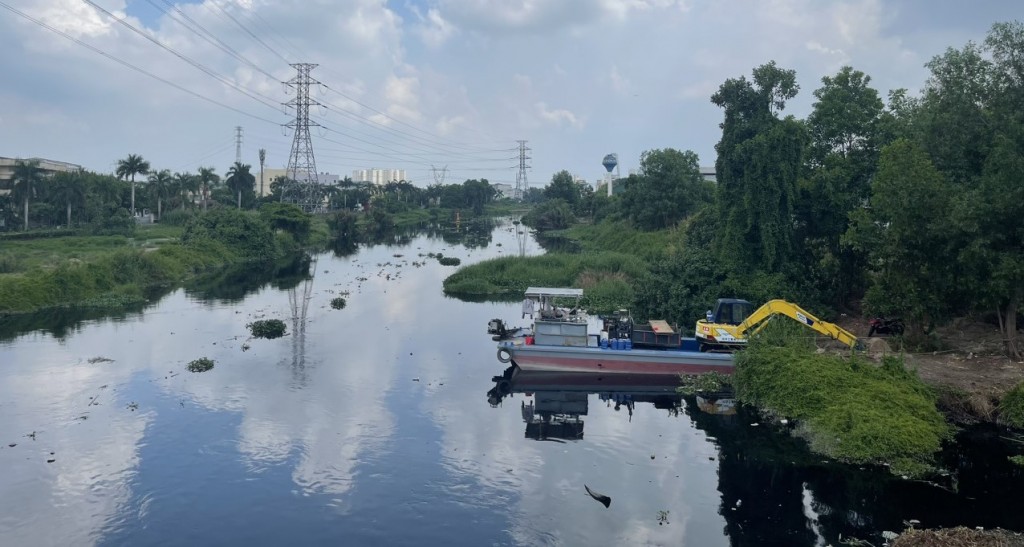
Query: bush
point(120, 222)
point(243, 233)
point(550, 215)
point(177, 217)
point(200, 365)
point(267, 328)
point(449, 261)
point(338, 303)
point(287, 217)
point(1011, 408)
point(849, 408)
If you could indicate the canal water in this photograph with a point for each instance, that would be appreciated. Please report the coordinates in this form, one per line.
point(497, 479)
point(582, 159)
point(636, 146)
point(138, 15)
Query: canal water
point(389, 422)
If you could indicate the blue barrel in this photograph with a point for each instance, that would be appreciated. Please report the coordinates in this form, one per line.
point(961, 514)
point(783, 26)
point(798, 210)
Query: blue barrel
point(614, 343)
point(604, 343)
point(629, 344)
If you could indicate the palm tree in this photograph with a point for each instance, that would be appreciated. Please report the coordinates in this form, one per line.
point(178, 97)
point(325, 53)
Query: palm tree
point(129, 167)
point(27, 179)
point(239, 178)
point(160, 187)
point(207, 177)
point(186, 182)
point(69, 189)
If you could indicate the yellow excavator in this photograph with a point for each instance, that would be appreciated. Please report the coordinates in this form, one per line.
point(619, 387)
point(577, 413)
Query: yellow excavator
point(734, 320)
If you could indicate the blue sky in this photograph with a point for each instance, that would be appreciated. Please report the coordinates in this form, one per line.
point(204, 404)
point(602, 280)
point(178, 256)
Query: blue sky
point(438, 82)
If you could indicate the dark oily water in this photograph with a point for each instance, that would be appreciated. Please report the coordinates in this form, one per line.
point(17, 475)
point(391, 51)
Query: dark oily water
point(380, 424)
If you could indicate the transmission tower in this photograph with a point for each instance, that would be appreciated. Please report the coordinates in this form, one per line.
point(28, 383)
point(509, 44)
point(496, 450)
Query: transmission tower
point(439, 174)
point(304, 189)
point(263, 159)
point(521, 183)
point(238, 144)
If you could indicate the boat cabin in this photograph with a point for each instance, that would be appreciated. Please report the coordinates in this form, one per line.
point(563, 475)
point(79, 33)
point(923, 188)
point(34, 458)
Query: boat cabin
point(556, 324)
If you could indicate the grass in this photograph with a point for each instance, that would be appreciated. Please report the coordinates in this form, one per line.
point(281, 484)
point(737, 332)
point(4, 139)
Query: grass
point(24, 255)
point(1011, 408)
point(848, 408)
point(604, 277)
point(621, 237)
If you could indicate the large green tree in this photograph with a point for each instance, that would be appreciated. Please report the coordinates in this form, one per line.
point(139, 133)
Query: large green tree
point(128, 168)
point(68, 189)
point(840, 161)
point(907, 234)
point(759, 158)
point(240, 179)
point(28, 180)
point(668, 189)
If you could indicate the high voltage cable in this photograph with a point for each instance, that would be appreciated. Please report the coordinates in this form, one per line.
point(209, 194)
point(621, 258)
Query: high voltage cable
point(247, 31)
point(207, 35)
point(187, 59)
point(131, 66)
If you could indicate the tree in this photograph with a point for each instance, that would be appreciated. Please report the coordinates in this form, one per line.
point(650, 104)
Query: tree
point(68, 189)
point(185, 183)
point(841, 159)
point(563, 187)
point(28, 179)
point(160, 187)
point(207, 178)
point(129, 167)
point(668, 189)
point(477, 194)
point(759, 158)
point(239, 179)
point(907, 235)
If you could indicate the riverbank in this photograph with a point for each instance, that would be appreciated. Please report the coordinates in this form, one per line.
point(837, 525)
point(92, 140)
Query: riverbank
point(118, 271)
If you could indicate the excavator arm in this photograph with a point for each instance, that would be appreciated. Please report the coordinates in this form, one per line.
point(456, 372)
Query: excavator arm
point(759, 319)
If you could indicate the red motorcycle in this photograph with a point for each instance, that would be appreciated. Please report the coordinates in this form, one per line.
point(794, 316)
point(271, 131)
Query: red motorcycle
point(881, 325)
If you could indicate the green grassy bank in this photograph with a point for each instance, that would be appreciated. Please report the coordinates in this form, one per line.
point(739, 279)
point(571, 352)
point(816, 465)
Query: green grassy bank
point(117, 270)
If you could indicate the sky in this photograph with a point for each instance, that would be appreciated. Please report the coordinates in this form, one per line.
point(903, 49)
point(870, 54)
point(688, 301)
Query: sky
point(424, 85)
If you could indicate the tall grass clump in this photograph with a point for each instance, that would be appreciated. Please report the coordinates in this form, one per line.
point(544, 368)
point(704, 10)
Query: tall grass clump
point(847, 408)
point(511, 275)
point(1011, 407)
point(621, 237)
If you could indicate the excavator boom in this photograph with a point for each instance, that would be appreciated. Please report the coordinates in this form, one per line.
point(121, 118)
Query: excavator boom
point(726, 335)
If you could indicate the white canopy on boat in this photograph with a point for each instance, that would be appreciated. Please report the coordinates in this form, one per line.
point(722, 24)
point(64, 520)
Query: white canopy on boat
point(537, 292)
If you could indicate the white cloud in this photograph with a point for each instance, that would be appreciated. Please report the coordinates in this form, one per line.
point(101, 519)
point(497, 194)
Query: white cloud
point(435, 30)
point(559, 116)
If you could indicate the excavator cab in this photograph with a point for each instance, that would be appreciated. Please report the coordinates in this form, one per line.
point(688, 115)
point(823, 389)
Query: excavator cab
point(731, 311)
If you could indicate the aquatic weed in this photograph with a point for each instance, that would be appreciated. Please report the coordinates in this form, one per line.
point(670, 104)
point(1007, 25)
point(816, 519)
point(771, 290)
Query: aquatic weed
point(200, 365)
point(267, 328)
point(1011, 407)
point(338, 303)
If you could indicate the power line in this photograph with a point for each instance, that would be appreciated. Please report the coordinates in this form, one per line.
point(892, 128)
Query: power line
point(131, 66)
point(267, 101)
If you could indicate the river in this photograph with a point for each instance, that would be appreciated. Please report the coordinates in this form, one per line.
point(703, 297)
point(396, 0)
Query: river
point(374, 425)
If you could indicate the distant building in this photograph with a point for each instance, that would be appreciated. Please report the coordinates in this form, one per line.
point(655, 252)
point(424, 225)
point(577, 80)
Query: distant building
point(49, 167)
point(503, 190)
point(378, 176)
point(709, 173)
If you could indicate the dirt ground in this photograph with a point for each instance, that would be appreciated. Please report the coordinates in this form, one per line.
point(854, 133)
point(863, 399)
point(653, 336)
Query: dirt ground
point(972, 370)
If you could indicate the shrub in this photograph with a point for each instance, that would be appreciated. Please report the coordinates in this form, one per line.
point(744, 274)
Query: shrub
point(849, 408)
point(550, 215)
point(287, 217)
point(1011, 408)
point(267, 328)
point(176, 217)
point(244, 233)
point(120, 222)
point(338, 303)
point(200, 365)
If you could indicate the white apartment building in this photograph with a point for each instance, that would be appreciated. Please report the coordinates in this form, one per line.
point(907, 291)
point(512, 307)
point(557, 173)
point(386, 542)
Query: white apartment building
point(378, 176)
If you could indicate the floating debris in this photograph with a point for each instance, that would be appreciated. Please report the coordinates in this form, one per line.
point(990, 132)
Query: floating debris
point(100, 359)
point(267, 328)
point(200, 365)
point(133, 406)
point(662, 517)
point(338, 303)
point(606, 500)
